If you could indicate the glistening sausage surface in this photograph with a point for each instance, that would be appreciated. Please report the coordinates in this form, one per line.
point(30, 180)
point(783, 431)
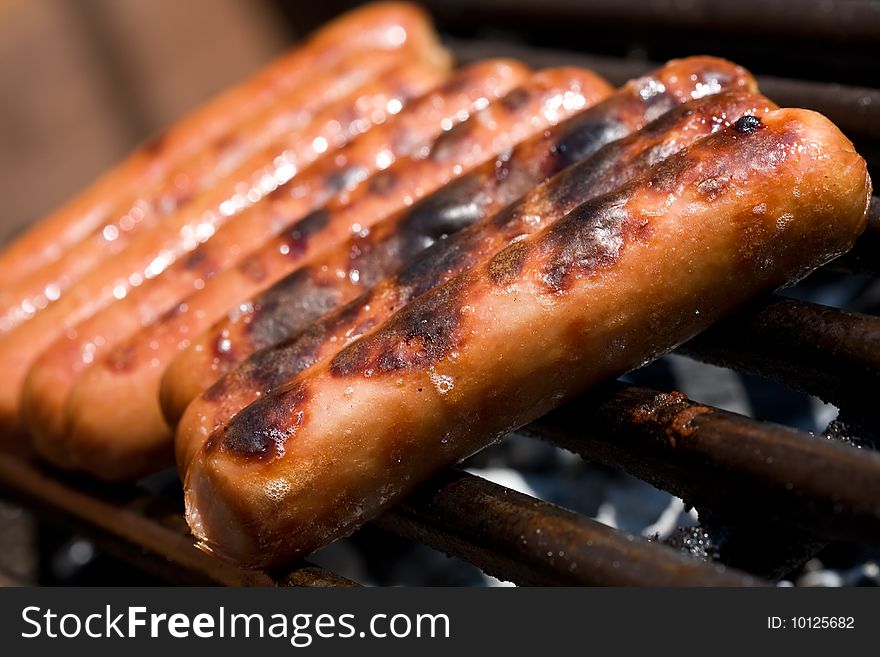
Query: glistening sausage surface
point(242, 332)
point(131, 373)
point(622, 279)
point(379, 26)
point(617, 162)
point(229, 173)
point(336, 173)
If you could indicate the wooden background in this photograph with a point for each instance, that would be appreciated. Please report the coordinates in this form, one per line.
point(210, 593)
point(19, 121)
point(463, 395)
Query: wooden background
point(83, 81)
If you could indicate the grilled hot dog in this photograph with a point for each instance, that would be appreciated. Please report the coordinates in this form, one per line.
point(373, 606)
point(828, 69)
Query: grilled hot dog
point(131, 373)
point(574, 141)
point(230, 173)
point(379, 26)
point(405, 133)
point(623, 278)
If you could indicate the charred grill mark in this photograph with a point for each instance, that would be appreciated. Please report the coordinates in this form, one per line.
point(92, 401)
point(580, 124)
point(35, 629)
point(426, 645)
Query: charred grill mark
point(507, 266)
point(122, 359)
point(449, 144)
point(194, 260)
point(253, 268)
point(382, 183)
point(747, 124)
point(416, 336)
point(344, 178)
point(261, 430)
point(515, 99)
point(288, 305)
point(587, 132)
point(297, 237)
point(587, 239)
point(270, 367)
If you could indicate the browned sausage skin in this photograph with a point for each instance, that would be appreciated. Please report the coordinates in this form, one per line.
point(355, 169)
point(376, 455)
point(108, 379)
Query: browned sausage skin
point(621, 279)
point(379, 26)
point(336, 173)
point(612, 165)
point(261, 153)
point(241, 333)
point(131, 373)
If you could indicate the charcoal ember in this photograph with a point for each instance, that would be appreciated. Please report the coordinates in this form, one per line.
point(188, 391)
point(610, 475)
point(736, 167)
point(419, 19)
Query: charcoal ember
point(694, 541)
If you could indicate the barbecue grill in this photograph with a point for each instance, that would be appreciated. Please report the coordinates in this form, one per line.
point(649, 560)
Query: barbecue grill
point(769, 495)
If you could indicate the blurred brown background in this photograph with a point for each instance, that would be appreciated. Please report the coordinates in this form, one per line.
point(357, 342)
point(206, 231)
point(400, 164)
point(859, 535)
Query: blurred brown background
point(85, 80)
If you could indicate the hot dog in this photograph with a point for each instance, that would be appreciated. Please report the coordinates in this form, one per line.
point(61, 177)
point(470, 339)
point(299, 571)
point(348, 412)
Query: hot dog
point(379, 26)
point(621, 279)
point(405, 133)
point(610, 166)
point(132, 371)
point(260, 154)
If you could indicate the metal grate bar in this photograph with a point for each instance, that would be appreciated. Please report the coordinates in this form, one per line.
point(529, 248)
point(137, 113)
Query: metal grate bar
point(137, 527)
point(818, 350)
point(519, 538)
point(729, 463)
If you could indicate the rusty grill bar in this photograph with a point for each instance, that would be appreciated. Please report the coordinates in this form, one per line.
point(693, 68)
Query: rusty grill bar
point(811, 489)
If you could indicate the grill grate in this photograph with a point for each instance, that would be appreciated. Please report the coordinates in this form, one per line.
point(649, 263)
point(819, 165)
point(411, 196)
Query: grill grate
point(809, 489)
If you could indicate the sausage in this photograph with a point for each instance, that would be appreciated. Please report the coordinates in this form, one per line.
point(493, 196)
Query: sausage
point(623, 278)
point(131, 373)
point(405, 133)
point(260, 153)
point(380, 26)
point(231, 341)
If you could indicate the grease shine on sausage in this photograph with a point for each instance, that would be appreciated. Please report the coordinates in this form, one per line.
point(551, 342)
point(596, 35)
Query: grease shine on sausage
point(607, 168)
point(337, 173)
point(242, 332)
point(622, 279)
point(381, 26)
point(227, 175)
point(131, 374)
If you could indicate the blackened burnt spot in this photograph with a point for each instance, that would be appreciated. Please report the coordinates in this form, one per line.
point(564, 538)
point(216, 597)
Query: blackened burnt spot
point(421, 333)
point(747, 124)
point(383, 183)
point(253, 268)
point(261, 430)
point(345, 178)
point(122, 359)
point(194, 260)
point(289, 305)
point(665, 175)
point(296, 238)
point(272, 366)
point(507, 266)
point(435, 264)
point(217, 390)
point(354, 358)
point(583, 135)
point(310, 224)
point(669, 120)
point(589, 238)
point(429, 328)
point(444, 212)
point(516, 99)
point(451, 144)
